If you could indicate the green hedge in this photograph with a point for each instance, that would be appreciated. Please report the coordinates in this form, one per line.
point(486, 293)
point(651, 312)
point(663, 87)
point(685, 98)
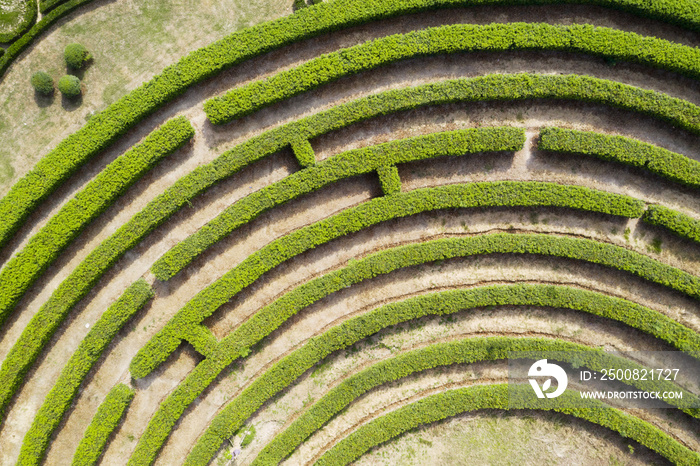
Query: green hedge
point(103, 424)
point(25, 22)
point(238, 343)
point(59, 399)
point(21, 44)
point(453, 402)
point(389, 179)
point(52, 313)
point(670, 165)
point(100, 193)
point(504, 193)
point(105, 127)
point(345, 165)
point(679, 223)
point(494, 87)
point(463, 351)
point(597, 41)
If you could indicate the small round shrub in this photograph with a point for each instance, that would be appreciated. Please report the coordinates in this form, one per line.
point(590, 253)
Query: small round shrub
point(69, 85)
point(42, 82)
point(76, 55)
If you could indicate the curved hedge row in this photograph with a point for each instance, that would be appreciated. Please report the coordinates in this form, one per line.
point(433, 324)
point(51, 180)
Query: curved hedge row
point(21, 44)
point(100, 193)
point(238, 343)
point(285, 371)
point(463, 351)
point(345, 165)
point(504, 193)
point(27, 20)
point(469, 89)
point(597, 41)
point(105, 127)
point(670, 165)
point(450, 403)
point(59, 399)
point(103, 424)
point(677, 222)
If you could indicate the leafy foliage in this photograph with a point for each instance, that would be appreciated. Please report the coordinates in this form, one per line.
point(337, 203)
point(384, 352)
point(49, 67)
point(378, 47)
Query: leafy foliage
point(42, 82)
point(677, 222)
point(59, 399)
point(463, 351)
point(122, 115)
point(103, 424)
point(598, 41)
point(452, 402)
point(27, 19)
point(43, 248)
point(345, 165)
point(389, 179)
point(670, 165)
point(237, 344)
point(506, 193)
point(76, 55)
point(292, 366)
point(69, 85)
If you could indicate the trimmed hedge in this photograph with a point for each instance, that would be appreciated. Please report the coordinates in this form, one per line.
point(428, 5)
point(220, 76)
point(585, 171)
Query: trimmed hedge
point(52, 313)
point(463, 351)
point(105, 127)
point(680, 224)
point(59, 399)
point(355, 329)
point(494, 87)
point(26, 21)
point(389, 179)
point(453, 402)
point(100, 193)
point(103, 424)
point(670, 165)
point(345, 165)
point(597, 41)
point(42, 82)
point(69, 86)
point(504, 193)
point(238, 343)
point(35, 30)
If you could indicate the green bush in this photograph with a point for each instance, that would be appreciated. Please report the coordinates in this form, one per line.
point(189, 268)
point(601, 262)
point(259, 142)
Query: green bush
point(506, 193)
point(59, 399)
point(292, 366)
point(69, 86)
point(23, 24)
point(670, 165)
point(598, 41)
point(42, 82)
point(345, 165)
point(298, 5)
point(389, 179)
point(201, 64)
point(103, 424)
point(43, 248)
point(679, 223)
point(76, 55)
point(452, 402)
point(464, 351)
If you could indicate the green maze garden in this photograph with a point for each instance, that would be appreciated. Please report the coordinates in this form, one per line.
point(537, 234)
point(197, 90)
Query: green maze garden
point(317, 239)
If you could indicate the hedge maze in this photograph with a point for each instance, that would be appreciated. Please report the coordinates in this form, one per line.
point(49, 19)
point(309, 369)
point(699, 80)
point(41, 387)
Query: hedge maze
point(357, 237)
